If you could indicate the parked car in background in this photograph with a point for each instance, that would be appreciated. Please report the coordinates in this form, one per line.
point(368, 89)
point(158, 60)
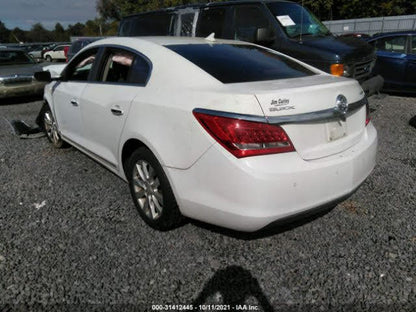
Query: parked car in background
point(222, 131)
point(396, 60)
point(35, 51)
point(16, 74)
point(284, 26)
point(79, 44)
point(48, 48)
point(356, 35)
point(56, 54)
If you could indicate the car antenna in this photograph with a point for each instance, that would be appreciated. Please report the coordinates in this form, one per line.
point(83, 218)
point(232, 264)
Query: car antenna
point(211, 37)
point(301, 23)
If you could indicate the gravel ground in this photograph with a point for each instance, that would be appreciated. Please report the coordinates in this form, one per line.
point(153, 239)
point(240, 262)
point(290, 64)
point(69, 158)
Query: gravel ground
point(72, 240)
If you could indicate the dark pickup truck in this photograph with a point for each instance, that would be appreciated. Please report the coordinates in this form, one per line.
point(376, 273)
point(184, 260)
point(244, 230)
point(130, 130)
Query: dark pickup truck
point(284, 26)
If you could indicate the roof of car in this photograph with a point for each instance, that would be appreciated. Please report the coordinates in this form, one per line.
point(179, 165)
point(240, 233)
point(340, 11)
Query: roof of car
point(162, 41)
point(394, 33)
point(12, 50)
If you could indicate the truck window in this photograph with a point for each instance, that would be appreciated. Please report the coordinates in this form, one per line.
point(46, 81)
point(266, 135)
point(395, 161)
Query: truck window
point(297, 20)
point(247, 20)
point(187, 20)
point(156, 24)
point(211, 20)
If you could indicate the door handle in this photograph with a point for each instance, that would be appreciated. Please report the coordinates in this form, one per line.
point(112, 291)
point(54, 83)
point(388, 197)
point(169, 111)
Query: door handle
point(74, 102)
point(116, 110)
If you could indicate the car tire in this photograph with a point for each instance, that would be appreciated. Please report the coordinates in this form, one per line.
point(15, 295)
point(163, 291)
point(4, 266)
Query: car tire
point(151, 191)
point(50, 127)
point(48, 58)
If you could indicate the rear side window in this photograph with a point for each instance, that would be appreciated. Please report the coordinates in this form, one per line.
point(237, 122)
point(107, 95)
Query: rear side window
point(211, 20)
point(125, 67)
point(117, 67)
point(240, 63)
point(392, 44)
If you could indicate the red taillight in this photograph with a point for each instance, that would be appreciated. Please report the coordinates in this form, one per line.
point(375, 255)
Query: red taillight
point(246, 138)
point(367, 114)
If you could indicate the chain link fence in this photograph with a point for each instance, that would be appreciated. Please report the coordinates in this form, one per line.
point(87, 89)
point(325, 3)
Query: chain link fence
point(372, 26)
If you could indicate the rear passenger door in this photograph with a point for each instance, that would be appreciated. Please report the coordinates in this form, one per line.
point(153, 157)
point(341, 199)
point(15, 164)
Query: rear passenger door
point(107, 100)
point(391, 59)
point(411, 63)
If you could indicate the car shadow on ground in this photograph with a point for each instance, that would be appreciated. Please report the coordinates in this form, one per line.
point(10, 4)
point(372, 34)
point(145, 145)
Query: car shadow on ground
point(274, 228)
point(401, 94)
point(232, 286)
point(21, 100)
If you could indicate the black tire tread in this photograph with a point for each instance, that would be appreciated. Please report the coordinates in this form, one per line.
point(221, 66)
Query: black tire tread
point(171, 217)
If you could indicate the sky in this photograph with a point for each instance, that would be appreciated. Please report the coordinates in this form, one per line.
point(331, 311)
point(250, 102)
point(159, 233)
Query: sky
point(25, 13)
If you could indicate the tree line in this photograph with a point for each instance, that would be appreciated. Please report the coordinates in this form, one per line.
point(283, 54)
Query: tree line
point(323, 9)
point(97, 27)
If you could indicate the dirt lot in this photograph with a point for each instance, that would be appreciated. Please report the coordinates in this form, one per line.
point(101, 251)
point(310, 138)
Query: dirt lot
point(72, 240)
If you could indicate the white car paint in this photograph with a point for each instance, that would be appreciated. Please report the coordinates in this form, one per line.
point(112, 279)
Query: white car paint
point(57, 53)
point(209, 183)
point(55, 70)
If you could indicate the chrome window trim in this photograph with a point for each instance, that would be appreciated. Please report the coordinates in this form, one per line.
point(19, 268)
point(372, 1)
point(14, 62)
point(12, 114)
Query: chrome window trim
point(326, 114)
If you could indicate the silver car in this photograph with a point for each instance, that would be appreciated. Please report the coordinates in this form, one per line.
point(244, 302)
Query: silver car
point(16, 74)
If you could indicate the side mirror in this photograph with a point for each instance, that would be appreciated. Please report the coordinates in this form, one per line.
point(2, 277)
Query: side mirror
point(264, 35)
point(44, 76)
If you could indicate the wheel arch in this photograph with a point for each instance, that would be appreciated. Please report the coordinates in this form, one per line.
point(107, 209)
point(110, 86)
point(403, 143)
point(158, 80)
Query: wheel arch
point(128, 148)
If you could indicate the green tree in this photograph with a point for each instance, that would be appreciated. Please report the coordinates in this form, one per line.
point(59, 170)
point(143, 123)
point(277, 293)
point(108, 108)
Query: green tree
point(116, 9)
point(60, 33)
point(39, 34)
point(93, 28)
point(17, 35)
point(4, 33)
point(76, 30)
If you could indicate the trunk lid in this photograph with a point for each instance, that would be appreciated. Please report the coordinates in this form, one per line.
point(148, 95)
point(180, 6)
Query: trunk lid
point(296, 104)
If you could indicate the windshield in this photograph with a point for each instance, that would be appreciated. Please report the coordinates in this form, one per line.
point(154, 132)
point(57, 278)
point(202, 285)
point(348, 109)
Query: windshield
point(297, 20)
point(232, 63)
point(14, 57)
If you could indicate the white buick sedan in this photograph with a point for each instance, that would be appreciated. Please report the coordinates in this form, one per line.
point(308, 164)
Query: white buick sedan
point(225, 132)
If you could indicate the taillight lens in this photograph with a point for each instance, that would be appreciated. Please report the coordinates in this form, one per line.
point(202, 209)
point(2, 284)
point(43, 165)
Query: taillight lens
point(367, 113)
point(246, 138)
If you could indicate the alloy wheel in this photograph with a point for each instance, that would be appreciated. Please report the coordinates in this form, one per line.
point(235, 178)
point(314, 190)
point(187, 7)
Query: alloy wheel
point(51, 128)
point(147, 189)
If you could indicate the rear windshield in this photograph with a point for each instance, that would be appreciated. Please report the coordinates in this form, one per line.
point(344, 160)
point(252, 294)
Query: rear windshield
point(240, 63)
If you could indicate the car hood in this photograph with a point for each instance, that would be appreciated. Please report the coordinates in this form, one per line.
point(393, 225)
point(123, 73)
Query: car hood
point(23, 69)
point(346, 48)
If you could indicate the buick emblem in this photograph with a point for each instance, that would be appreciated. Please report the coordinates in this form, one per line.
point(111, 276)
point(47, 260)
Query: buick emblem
point(341, 106)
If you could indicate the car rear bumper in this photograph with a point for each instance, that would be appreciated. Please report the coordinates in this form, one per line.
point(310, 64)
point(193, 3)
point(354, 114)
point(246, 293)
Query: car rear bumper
point(248, 194)
point(21, 89)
